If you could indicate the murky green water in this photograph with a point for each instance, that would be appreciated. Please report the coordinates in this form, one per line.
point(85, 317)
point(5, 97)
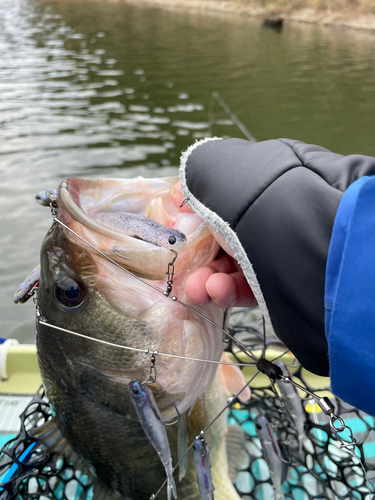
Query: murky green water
point(93, 88)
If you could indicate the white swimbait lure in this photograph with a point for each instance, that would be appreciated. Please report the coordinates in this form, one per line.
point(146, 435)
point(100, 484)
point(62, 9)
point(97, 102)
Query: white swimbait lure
point(46, 197)
point(271, 453)
point(203, 469)
point(292, 403)
point(143, 228)
point(151, 421)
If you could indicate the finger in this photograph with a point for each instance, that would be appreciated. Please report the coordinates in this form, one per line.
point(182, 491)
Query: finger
point(244, 294)
point(225, 264)
point(227, 290)
point(222, 289)
point(195, 285)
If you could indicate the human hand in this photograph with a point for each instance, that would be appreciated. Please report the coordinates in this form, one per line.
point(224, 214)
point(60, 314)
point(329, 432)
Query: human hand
point(223, 282)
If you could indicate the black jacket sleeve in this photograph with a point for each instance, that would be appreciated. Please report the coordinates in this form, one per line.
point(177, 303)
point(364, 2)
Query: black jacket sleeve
point(280, 197)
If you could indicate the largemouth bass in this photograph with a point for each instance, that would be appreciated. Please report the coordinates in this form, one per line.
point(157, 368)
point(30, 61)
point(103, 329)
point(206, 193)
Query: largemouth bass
point(87, 382)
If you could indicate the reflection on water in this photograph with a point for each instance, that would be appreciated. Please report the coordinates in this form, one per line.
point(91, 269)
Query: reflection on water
point(109, 89)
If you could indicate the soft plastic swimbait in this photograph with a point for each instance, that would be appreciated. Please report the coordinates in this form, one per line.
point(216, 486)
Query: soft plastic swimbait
point(143, 228)
point(151, 421)
point(46, 197)
point(292, 403)
point(203, 469)
point(271, 453)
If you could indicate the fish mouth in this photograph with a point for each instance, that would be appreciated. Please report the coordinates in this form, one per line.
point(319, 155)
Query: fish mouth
point(81, 202)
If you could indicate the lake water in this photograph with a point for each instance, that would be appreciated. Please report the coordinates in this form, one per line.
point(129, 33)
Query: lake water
point(111, 89)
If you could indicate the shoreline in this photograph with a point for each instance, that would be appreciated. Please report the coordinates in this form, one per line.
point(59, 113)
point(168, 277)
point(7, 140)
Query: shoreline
point(359, 17)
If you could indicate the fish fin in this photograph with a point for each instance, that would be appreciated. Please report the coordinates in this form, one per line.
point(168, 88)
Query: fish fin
point(22, 294)
point(50, 436)
point(155, 211)
point(238, 458)
point(234, 379)
point(182, 446)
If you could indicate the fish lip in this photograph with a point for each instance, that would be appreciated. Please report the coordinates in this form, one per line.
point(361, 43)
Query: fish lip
point(121, 248)
point(69, 205)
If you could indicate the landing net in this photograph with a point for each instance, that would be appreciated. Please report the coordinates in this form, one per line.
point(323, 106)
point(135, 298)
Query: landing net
point(322, 471)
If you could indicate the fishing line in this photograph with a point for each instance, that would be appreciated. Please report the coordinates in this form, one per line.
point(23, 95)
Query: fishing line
point(145, 351)
point(154, 495)
point(237, 342)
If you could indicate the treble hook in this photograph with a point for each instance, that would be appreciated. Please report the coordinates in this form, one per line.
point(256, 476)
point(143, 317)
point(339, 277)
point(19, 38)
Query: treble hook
point(178, 417)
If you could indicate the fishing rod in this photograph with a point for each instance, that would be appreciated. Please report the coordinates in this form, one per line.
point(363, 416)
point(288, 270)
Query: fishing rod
point(232, 116)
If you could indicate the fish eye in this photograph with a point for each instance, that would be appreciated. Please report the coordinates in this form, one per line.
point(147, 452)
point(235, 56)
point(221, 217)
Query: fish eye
point(172, 240)
point(69, 293)
point(135, 390)
point(258, 426)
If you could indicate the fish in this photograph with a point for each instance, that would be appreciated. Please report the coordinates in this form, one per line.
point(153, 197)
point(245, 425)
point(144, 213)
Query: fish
point(293, 404)
point(271, 453)
point(203, 469)
point(46, 197)
point(86, 382)
point(151, 421)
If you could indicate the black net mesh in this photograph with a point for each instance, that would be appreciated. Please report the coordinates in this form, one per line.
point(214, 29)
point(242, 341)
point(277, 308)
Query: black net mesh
point(323, 470)
point(33, 472)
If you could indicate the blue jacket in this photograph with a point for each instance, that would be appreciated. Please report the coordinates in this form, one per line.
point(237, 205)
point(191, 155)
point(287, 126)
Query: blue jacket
point(299, 221)
point(350, 296)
